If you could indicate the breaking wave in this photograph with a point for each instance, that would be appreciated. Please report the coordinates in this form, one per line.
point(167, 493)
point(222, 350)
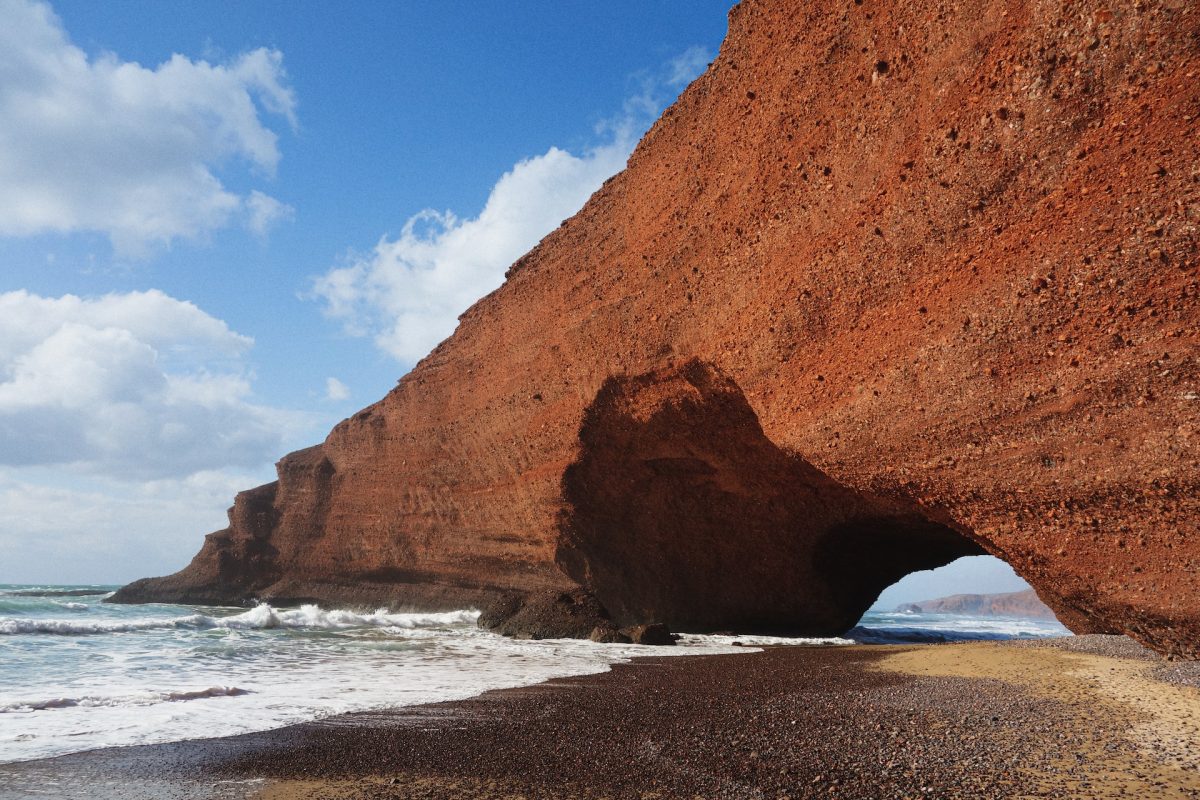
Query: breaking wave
point(143, 699)
point(74, 606)
point(898, 627)
point(92, 592)
point(261, 617)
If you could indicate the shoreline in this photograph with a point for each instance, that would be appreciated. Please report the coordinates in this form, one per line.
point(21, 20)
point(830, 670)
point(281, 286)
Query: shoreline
point(1018, 719)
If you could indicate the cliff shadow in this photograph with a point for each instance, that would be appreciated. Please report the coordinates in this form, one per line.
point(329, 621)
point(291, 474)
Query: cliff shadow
point(679, 509)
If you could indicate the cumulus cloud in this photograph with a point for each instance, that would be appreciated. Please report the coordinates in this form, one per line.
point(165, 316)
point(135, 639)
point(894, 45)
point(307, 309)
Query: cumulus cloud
point(411, 289)
point(336, 390)
point(111, 146)
point(408, 291)
point(137, 385)
point(177, 329)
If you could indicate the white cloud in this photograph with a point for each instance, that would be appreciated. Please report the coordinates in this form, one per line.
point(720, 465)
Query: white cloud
point(408, 292)
point(111, 146)
point(265, 212)
point(684, 68)
point(136, 385)
point(64, 530)
point(174, 328)
point(336, 390)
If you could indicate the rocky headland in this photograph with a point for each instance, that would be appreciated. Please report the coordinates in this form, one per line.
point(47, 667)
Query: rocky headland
point(889, 284)
point(1008, 604)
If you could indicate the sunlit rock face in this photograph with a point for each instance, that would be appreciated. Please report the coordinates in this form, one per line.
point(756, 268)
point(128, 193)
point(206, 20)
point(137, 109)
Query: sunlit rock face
point(930, 271)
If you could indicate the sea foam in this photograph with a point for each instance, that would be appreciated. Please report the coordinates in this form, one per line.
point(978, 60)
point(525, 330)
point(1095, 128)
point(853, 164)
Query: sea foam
point(261, 617)
point(141, 699)
point(107, 675)
point(122, 675)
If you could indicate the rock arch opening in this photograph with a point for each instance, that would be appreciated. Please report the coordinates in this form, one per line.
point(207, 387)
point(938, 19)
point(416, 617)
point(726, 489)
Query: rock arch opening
point(969, 575)
point(973, 597)
point(680, 510)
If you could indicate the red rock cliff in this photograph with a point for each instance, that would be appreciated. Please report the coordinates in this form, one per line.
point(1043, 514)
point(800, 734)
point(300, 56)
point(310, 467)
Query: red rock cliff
point(890, 283)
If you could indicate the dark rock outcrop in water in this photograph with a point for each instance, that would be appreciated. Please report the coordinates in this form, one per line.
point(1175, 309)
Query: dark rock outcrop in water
point(1009, 604)
point(889, 284)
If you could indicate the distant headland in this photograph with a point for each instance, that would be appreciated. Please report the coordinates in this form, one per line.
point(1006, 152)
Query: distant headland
point(1008, 604)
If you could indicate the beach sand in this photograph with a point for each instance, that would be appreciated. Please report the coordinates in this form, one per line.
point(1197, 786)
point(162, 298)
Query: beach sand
point(1085, 717)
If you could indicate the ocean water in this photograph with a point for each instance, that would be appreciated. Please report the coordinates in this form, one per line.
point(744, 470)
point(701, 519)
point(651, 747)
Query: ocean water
point(897, 627)
point(78, 674)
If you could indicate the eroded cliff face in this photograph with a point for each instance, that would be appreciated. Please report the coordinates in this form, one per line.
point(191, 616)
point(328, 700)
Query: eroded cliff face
point(930, 273)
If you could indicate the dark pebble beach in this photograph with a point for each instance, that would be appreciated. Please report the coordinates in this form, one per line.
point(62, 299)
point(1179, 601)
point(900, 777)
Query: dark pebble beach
point(784, 723)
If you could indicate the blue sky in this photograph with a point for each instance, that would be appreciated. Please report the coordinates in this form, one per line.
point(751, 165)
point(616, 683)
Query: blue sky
point(224, 226)
point(399, 108)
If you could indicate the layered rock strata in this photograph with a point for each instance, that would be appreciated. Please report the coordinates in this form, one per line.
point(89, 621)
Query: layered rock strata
point(889, 283)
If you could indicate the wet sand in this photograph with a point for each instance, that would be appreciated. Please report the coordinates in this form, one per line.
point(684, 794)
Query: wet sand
point(946, 721)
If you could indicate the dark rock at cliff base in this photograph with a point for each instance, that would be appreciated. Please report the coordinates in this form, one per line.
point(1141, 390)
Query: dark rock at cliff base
point(653, 634)
point(546, 615)
point(609, 634)
point(830, 325)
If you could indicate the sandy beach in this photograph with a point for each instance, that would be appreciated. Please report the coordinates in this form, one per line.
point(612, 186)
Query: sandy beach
point(1082, 717)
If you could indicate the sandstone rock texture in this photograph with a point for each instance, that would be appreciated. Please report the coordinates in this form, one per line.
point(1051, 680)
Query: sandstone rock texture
point(889, 284)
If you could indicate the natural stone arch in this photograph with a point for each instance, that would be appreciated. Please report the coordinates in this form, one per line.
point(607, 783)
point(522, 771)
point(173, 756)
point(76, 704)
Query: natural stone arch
point(679, 509)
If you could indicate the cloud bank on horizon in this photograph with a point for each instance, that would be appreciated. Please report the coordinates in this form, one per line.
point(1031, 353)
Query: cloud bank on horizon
point(408, 292)
point(59, 529)
point(111, 147)
point(127, 424)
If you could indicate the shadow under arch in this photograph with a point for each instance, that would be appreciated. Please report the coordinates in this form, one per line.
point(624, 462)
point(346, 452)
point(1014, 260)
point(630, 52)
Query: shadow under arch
point(679, 509)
